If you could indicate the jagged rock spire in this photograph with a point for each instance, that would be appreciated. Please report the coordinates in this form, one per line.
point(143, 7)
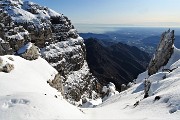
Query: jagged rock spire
point(163, 52)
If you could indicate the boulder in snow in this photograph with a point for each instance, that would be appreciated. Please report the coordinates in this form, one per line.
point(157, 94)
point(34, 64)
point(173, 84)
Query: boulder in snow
point(8, 67)
point(5, 67)
point(29, 51)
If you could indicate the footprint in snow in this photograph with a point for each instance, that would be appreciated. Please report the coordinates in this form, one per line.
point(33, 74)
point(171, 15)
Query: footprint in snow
point(174, 109)
point(14, 102)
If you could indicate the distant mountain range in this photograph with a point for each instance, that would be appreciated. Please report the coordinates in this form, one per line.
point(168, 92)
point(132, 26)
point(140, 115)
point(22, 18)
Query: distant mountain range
point(118, 63)
point(144, 41)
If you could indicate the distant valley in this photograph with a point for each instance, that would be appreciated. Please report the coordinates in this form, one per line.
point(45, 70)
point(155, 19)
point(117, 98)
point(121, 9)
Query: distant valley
point(145, 39)
point(115, 62)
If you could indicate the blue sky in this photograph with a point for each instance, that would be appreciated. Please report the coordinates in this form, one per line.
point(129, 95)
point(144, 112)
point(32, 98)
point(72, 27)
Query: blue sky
point(128, 12)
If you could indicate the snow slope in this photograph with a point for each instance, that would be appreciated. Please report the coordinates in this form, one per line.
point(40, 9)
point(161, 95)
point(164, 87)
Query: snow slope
point(25, 93)
point(162, 104)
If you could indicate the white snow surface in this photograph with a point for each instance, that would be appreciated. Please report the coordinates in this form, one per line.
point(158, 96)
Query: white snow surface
point(163, 84)
point(26, 95)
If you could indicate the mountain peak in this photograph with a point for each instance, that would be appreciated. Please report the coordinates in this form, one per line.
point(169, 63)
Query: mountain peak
point(163, 52)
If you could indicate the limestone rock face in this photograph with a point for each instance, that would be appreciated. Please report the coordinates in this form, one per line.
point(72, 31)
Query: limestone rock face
point(5, 48)
point(65, 56)
point(12, 37)
point(57, 83)
point(163, 52)
point(57, 39)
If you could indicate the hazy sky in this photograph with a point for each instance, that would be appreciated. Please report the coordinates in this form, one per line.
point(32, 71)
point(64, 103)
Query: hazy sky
point(131, 12)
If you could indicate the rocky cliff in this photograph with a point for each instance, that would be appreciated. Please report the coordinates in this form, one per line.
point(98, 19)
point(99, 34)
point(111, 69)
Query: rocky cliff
point(163, 52)
point(23, 23)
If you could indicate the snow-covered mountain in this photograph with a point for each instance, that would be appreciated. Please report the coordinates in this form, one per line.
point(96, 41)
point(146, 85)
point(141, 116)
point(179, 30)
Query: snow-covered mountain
point(30, 88)
point(23, 23)
point(25, 94)
point(162, 102)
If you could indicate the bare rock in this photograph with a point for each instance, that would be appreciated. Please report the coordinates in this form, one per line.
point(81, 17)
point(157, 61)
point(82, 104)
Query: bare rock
point(29, 52)
point(5, 47)
point(7, 68)
point(147, 85)
point(57, 83)
point(1, 61)
point(75, 94)
point(10, 58)
point(163, 52)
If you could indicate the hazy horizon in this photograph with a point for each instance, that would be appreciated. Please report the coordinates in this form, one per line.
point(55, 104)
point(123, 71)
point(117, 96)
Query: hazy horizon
point(136, 12)
point(143, 13)
point(103, 28)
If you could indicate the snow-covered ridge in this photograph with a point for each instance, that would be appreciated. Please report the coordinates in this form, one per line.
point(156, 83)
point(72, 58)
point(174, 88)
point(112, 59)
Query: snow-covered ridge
point(26, 94)
point(27, 11)
point(163, 102)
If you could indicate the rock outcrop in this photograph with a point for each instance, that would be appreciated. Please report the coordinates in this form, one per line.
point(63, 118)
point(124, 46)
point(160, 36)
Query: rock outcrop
point(29, 52)
point(57, 39)
point(57, 83)
point(12, 37)
point(163, 52)
point(147, 85)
